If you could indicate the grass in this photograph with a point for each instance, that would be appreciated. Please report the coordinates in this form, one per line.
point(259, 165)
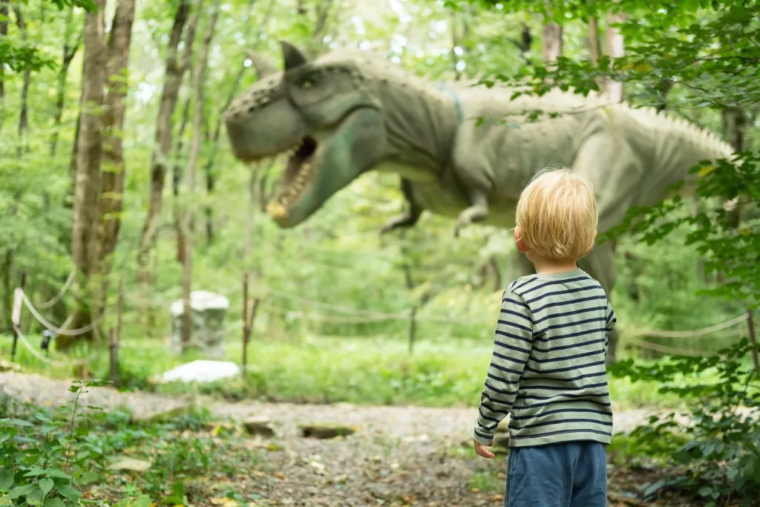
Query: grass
point(372, 371)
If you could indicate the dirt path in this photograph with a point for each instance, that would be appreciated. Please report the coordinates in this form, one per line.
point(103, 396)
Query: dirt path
point(398, 456)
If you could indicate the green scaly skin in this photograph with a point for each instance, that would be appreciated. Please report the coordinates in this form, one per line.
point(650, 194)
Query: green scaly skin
point(462, 151)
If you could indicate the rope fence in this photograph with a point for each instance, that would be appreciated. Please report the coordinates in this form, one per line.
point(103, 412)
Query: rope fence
point(345, 315)
point(51, 362)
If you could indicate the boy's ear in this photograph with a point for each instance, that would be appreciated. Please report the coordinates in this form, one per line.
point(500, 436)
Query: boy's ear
point(522, 247)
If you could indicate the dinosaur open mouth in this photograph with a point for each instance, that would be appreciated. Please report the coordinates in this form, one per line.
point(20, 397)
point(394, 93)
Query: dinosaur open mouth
point(299, 171)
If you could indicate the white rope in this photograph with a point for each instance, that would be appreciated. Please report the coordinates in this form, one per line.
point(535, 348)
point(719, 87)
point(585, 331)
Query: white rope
point(59, 330)
point(61, 293)
point(692, 333)
point(667, 350)
point(30, 347)
point(342, 309)
point(335, 319)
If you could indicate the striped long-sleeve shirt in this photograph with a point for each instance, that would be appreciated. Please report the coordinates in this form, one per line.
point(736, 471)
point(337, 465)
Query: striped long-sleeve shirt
point(548, 366)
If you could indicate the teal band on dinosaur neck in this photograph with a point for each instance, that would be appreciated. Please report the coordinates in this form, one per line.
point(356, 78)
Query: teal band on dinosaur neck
point(457, 103)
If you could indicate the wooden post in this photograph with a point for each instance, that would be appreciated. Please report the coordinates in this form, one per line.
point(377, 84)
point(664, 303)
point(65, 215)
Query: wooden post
point(246, 329)
point(412, 328)
point(753, 338)
point(113, 355)
point(16, 317)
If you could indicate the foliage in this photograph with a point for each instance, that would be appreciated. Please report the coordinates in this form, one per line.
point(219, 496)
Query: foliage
point(683, 56)
point(727, 249)
point(718, 440)
point(53, 457)
point(39, 464)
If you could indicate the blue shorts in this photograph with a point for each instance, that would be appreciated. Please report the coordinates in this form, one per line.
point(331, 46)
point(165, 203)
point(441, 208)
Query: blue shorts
point(572, 474)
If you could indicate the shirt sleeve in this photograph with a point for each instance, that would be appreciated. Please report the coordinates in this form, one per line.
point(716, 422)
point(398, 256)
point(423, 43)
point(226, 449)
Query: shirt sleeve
point(609, 327)
point(512, 346)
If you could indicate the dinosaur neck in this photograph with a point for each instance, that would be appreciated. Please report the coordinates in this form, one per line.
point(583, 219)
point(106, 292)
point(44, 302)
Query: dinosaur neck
point(421, 121)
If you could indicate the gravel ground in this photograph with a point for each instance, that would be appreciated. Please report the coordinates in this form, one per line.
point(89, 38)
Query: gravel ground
point(398, 455)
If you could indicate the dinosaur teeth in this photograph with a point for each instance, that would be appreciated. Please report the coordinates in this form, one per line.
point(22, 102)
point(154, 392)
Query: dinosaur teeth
point(277, 210)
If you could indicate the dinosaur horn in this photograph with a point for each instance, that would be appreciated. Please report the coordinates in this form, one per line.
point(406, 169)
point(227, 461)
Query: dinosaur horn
point(292, 56)
point(263, 66)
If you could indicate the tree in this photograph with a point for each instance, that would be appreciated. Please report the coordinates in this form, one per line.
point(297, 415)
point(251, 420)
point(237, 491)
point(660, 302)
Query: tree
point(192, 165)
point(163, 140)
point(69, 52)
point(84, 236)
point(114, 171)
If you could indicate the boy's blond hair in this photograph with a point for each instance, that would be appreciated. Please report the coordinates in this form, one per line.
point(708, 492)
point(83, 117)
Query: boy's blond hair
point(557, 215)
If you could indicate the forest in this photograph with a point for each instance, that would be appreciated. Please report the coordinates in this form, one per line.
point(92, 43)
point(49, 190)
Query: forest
point(163, 341)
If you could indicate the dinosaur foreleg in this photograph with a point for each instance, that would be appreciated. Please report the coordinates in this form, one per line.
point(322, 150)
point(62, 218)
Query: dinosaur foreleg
point(477, 211)
point(410, 217)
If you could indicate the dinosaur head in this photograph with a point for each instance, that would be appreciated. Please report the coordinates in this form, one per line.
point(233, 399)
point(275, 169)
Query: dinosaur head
point(318, 112)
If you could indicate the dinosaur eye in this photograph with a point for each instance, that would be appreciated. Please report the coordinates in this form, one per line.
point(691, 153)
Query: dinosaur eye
point(307, 83)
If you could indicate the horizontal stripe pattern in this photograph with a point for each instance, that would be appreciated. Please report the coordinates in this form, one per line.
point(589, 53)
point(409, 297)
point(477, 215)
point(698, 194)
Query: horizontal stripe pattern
point(548, 365)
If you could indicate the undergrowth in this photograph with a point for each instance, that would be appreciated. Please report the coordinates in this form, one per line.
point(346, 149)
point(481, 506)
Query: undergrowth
point(58, 457)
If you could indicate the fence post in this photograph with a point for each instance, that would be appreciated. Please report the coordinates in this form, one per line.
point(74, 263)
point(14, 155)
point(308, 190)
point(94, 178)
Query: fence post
point(113, 356)
point(246, 329)
point(753, 338)
point(16, 316)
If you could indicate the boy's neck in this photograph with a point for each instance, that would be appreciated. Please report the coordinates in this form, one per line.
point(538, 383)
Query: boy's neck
point(546, 267)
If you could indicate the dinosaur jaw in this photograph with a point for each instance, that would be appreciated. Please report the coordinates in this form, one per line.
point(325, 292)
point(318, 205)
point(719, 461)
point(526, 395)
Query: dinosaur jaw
point(300, 170)
point(325, 161)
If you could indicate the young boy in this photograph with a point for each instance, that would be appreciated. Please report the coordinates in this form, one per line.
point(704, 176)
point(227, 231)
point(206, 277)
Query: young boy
point(548, 366)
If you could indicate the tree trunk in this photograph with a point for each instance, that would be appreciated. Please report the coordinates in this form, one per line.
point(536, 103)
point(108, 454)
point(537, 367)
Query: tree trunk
point(23, 118)
point(209, 166)
point(84, 236)
point(614, 48)
point(593, 40)
point(112, 184)
point(69, 51)
point(192, 164)
point(3, 34)
point(454, 47)
point(551, 37)
point(210, 181)
point(323, 13)
point(177, 179)
point(163, 140)
point(69, 202)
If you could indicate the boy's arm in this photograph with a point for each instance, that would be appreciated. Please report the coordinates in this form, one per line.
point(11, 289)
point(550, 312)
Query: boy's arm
point(512, 347)
point(609, 327)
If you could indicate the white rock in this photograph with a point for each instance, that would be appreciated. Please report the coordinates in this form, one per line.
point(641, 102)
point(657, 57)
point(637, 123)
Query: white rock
point(200, 371)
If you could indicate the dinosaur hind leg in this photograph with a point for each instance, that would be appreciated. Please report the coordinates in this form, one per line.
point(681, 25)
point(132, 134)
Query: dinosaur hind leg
point(600, 264)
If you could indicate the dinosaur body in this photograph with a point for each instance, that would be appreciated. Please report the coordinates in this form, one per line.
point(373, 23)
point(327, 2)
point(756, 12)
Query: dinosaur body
point(464, 152)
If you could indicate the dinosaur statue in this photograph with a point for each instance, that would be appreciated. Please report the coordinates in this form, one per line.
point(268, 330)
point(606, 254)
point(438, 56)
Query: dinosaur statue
point(462, 151)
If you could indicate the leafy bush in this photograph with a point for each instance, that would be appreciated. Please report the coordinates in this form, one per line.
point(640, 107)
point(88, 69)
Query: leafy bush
point(52, 457)
point(717, 442)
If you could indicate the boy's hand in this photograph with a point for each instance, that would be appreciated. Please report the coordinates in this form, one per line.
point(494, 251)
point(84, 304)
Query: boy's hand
point(483, 451)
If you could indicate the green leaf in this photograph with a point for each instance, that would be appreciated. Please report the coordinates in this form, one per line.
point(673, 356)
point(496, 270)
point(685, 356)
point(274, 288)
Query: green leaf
point(54, 502)
point(6, 479)
point(69, 493)
point(58, 474)
point(46, 485)
point(17, 422)
point(142, 501)
point(20, 491)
